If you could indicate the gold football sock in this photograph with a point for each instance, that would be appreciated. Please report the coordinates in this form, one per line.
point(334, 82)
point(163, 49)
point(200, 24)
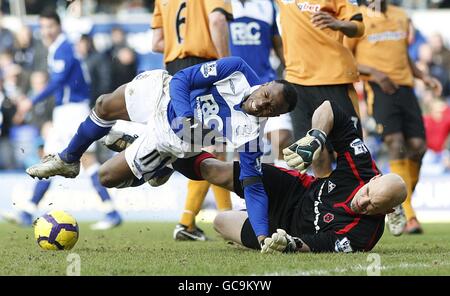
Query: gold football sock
point(414, 171)
point(197, 191)
point(401, 168)
point(222, 196)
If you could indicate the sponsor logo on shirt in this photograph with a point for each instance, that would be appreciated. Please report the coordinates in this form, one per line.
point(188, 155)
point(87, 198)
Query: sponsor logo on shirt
point(210, 111)
point(306, 6)
point(359, 147)
point(343, 246)
point(209, 69)
point(287, 1)
point(387, 36)
point(245, 33)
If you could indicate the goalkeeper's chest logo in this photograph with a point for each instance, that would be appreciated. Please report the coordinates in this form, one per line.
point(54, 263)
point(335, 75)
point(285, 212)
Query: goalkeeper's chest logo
point(359, 147)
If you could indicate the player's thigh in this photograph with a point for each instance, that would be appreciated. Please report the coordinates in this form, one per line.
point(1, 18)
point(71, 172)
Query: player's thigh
point(144, 93)
point(229, 225)
point(413, 126)
point(114, 171)
point(303, 111)
point(385, 109)
point(345, 96)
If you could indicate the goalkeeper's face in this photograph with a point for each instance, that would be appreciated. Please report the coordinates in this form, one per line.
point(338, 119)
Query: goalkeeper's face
point(267, 101)
point(380, 195)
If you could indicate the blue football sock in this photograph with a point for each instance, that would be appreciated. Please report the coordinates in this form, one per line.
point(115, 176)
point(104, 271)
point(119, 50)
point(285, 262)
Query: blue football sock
point(89, 131)
point(40, 189)
point(101, 190)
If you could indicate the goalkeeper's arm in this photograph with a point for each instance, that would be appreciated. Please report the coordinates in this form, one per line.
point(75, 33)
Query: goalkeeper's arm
point(302, 153)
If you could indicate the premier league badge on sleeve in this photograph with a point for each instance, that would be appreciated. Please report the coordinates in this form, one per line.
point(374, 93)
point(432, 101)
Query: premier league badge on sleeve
point(209, 69)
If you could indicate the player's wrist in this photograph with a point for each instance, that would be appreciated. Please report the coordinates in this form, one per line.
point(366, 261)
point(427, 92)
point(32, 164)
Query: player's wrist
point(320, 135)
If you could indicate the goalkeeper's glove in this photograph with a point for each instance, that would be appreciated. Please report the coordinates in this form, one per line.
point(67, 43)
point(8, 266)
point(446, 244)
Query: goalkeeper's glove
point(302, 153)
point(281, 242)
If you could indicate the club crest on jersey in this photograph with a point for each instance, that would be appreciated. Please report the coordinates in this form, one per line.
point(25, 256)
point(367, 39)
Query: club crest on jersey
point(209, 69)
point(306, 6)
point(343, 246)
point(328, 217)
point(353, 2)
point(359, 147)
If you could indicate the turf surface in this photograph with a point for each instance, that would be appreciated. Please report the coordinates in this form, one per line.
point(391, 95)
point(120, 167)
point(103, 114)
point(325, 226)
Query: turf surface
point(148, 249)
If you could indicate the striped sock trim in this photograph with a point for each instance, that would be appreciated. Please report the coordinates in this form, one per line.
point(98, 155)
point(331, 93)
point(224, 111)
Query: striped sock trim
point(101, 122)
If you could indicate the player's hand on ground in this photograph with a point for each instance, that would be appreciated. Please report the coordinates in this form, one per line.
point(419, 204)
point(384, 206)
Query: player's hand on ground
point(280, 242)
point(324, 20)
point(302, 153)
point(433, 84)
point(386, 84)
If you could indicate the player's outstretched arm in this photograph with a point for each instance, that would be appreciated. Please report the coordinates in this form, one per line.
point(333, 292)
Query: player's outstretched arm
point(302, 153)
point(282, 242)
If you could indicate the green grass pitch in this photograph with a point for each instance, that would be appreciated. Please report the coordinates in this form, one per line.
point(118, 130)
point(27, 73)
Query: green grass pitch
point(147, 248)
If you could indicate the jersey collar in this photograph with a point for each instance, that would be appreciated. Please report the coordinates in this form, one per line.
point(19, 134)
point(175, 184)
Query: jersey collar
point(247, 93)
point(60, 39)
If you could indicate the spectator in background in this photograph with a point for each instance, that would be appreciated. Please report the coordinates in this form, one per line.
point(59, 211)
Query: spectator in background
point(426, 64)
point(124, 67)
point(441, 57)
point(6, 39)
point(99, 67)
point(42, 111)
point(30, 53)
point(437, 128)
point(123, 57)
point(7, 111)
point(118, 39)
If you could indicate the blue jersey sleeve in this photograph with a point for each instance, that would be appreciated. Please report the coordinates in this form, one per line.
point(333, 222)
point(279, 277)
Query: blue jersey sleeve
point(255, 195)
point(204, 76)
point(59, 71)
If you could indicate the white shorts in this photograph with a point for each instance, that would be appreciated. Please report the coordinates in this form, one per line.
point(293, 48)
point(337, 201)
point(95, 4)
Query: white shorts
point(282, 122)
point(66, 120)
point(158, 146)
point(141, 93)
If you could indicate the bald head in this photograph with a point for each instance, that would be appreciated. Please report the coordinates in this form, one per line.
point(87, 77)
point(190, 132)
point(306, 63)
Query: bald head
point(380, 195)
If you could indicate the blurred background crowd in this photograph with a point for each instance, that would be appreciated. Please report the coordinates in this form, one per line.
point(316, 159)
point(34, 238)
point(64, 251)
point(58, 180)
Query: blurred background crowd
point(116, 58)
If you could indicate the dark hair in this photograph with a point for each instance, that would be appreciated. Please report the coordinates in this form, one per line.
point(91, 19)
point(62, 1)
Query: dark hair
point(289, 93)
point(51, 14)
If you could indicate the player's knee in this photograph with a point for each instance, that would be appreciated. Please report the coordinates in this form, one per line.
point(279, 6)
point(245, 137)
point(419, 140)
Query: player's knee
point(219, 223)
point(417, 150)
point(106, 177)
point(101, 107)
point(395, 144)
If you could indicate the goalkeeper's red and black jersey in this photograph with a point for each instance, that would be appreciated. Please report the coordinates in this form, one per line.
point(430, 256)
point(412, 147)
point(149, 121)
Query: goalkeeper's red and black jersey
point(323, 218)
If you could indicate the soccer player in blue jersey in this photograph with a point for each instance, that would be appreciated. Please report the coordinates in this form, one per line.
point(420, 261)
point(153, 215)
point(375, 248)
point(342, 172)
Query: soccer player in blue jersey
point(70, 86)
point(253, 35)
point(223, 98)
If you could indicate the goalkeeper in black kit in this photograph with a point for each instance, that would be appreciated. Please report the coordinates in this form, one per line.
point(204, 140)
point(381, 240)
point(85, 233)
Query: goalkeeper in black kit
point(343, 212)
